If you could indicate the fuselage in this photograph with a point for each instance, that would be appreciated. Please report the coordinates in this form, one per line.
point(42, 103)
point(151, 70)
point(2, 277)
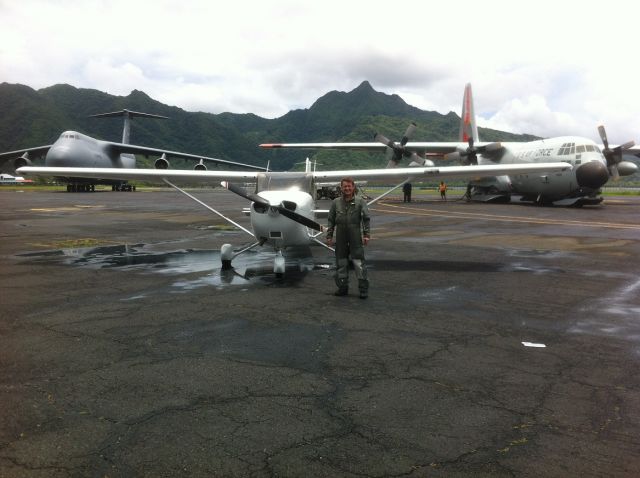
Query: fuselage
point(73, 149)
point(280, 231)
point(588, 175)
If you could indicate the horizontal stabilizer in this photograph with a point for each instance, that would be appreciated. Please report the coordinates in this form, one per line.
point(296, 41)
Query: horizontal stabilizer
point(131, 114)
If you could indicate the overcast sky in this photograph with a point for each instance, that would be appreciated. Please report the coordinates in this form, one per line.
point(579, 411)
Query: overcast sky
point(546, 67)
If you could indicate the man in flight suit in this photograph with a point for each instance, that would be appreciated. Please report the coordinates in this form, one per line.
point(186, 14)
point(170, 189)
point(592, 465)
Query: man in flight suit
point(349, 220)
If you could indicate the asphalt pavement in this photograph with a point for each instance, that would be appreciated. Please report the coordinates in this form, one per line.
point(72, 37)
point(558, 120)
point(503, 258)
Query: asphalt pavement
point(498, 340)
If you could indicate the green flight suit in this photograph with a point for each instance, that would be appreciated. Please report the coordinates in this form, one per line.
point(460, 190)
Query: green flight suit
point(349, 220)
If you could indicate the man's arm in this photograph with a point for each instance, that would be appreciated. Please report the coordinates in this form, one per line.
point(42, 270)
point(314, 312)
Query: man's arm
point(366, 223)
point(331, 223)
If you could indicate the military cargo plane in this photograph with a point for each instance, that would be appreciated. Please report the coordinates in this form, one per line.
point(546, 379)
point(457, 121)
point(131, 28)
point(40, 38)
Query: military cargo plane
point(593, 164)
point(77, 150)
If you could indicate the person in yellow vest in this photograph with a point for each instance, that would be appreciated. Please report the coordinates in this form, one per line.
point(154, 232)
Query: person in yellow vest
point(443, 190)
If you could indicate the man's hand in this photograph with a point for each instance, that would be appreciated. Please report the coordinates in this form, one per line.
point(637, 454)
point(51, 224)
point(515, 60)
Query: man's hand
point(365, 240)
point(330, 241)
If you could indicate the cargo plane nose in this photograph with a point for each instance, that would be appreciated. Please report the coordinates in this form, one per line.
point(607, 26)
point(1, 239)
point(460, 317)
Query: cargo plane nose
point(592, 175)
point(61, 156)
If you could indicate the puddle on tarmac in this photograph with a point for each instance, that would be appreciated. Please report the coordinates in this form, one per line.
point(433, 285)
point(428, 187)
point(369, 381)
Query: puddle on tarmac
point(251, 267)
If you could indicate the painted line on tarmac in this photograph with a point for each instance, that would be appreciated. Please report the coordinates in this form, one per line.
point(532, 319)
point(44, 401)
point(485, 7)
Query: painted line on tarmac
point(397, 209)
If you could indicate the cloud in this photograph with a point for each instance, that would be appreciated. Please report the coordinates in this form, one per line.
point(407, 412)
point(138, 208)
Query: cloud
point(543, 72)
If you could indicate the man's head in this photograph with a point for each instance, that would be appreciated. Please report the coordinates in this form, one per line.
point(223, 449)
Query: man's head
point(348, 187)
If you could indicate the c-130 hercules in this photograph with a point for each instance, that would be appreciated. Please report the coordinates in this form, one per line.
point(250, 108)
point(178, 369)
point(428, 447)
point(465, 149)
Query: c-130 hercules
point(77, 150)
point(593, 164)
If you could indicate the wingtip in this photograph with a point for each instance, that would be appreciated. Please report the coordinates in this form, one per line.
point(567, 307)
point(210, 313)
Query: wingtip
point(271, 145)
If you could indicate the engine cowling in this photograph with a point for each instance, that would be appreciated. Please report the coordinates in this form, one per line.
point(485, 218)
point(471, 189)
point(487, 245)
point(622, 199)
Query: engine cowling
point(200, 166)
point(627, 168)
point(22, 161)
point(162, 162)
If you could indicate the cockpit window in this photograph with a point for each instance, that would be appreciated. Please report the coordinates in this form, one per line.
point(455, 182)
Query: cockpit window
point(301, 182)
point(567, 148)
point(580, 148)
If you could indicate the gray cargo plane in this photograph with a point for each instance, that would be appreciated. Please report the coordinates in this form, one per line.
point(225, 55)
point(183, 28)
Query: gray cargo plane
point(77, 150)
point(593, 164)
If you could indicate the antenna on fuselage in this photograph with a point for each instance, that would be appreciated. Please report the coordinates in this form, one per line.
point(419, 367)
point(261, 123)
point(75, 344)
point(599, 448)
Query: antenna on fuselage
point(127, 120)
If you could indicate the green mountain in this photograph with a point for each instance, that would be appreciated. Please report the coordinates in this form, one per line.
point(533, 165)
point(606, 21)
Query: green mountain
point(33, 118)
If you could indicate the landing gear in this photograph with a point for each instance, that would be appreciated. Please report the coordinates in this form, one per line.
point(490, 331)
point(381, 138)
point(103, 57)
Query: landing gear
point(227, 255)
point(123, 187)
point(279, 265)
point(80, 188)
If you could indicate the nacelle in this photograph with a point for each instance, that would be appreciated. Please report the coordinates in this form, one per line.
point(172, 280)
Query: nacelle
point(162, 162)
point(456, 156)
point(22, 161)
point(200, 166)
point(626, 168)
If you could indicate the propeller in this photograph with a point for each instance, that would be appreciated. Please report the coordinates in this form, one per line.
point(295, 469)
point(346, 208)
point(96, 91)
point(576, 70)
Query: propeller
point(613, 156)
point(294, 216)
point(470, 154)
point(397, 151)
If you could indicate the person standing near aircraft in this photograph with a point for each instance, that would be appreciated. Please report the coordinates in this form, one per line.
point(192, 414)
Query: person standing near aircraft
point(406, 189)
point(443, 190)
point(349, 219)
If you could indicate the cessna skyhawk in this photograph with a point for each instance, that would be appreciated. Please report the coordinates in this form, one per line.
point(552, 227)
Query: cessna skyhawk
point(76, 150)
point(283, 211)
point(593, 164)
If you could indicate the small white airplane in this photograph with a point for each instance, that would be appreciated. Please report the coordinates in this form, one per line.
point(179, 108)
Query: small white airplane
point(73, 149)
point(593, 164)
point(283, 210)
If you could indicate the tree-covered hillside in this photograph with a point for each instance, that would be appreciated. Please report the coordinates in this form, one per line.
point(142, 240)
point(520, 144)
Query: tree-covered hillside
point(33, 118)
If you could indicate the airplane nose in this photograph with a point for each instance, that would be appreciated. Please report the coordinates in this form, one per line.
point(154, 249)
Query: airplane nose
point(592, 175)
point(59, 156)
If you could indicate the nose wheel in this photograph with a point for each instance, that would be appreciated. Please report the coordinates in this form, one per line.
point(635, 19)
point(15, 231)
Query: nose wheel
point(279, 265)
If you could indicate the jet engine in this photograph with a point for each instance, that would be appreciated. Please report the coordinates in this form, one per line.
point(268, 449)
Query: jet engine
point(200, 166)
point(22, 161)
point(162, 162)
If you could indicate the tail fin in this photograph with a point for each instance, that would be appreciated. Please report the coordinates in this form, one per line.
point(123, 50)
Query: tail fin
point(127, 120)
point(468, 128)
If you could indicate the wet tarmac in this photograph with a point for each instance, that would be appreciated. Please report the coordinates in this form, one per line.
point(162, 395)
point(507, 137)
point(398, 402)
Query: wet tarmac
point(498, 340)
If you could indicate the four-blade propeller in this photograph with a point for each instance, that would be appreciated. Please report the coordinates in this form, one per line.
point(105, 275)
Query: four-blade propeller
point(470, 154)
point(613, 156)
point(397, 150)
point(294, 216)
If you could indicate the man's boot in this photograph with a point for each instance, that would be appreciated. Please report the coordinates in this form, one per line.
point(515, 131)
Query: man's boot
point(363, 285)
point(343, 286)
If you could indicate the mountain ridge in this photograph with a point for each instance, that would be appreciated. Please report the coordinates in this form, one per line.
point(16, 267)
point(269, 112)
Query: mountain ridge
point(37, 117)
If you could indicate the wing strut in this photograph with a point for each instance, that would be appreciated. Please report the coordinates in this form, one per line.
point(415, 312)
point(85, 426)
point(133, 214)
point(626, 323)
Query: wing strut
point(208, 207)
point(388, 192)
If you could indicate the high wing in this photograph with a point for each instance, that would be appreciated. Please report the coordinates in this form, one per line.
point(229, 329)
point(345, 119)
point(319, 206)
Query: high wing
point(36, 151)
point(430, 148)
point(152, 175)
point(401, 174)
point(213, 177)
point(119, 148)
